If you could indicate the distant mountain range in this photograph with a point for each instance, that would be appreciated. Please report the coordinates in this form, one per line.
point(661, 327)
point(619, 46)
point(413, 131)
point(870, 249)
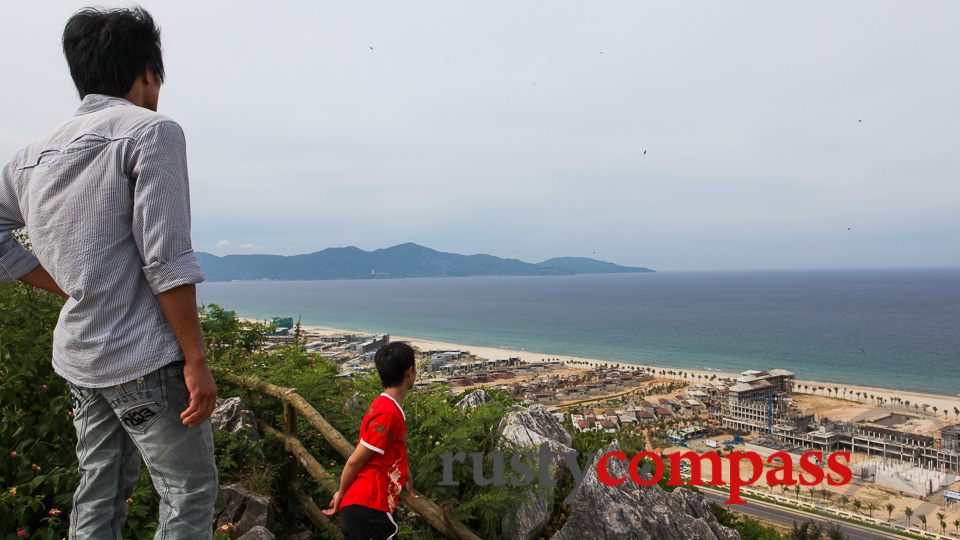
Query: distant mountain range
point(402, 261)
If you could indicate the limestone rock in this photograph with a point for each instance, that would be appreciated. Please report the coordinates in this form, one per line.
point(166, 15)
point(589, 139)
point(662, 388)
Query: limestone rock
point(530, 518)
point(243, 510)
point(528, 429)
point(534, 426)
point(232, 415)
point(353, 404)
point(477, 398)
point(640, 513)
point(257, 533)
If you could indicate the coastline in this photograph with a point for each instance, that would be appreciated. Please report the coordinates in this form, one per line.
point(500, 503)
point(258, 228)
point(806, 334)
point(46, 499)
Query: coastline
point(942, 402)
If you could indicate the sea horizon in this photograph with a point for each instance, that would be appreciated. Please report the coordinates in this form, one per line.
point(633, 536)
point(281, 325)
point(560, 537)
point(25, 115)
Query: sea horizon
point(887, 328)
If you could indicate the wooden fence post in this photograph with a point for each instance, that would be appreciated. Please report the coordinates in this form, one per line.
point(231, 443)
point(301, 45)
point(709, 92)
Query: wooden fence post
point(291, 431)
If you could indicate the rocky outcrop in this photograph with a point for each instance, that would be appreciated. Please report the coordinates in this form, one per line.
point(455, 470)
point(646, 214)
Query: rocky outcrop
point(477, 398)
point(242, 510)
point(534, 426)
point(636, 512)
point(528, 429)
point(258, 533)
point(353, 404)
point(231, 415)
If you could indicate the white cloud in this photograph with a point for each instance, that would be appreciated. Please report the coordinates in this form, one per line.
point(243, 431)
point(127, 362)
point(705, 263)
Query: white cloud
point(249, 246)
point(223, 244)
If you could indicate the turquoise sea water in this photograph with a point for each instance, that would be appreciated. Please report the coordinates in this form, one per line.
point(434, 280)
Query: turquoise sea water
point(897, 328)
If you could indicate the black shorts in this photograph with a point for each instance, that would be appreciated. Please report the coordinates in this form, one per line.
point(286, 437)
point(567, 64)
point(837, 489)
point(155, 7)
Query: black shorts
point(362, 523)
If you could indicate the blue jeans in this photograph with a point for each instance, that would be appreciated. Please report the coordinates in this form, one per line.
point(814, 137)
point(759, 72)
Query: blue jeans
point(116, 426)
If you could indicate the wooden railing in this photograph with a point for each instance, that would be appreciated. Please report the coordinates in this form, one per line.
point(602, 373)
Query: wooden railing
point(294, 406)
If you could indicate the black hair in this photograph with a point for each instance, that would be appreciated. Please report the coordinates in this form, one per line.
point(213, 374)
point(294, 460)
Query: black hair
point(393, 360)
point(107, 49)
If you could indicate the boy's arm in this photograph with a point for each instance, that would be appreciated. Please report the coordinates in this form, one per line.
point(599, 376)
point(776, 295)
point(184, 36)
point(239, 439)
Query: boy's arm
point(354, 465)
point(409, 484)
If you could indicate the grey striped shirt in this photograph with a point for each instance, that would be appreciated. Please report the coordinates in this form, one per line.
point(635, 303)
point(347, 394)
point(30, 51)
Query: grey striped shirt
point(106, 201)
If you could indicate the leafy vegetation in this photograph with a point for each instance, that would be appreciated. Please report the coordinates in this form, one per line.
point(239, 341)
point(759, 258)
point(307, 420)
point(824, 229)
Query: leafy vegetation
point(37, 463)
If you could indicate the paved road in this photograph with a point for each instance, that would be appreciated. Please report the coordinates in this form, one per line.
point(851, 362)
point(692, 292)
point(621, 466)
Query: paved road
point(788, 516)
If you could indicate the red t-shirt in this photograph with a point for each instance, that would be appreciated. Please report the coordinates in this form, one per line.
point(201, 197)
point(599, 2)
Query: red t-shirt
point(379, 483)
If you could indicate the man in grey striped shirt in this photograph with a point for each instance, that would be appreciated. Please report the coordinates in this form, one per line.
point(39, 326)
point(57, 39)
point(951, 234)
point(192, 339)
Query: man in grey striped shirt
point(105, 199)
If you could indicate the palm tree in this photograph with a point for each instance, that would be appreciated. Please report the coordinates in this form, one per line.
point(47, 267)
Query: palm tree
point(796, 488)
point(826, 494)
point(813, 494)
point(923, 519)
point(871, 506)
point(843, 502)
point(956, 524)
point(940, 516)
point(934, 410)
point(857, 504)
point(925, 407)
point(890, 509)
point(909, 513)
point(956, 411)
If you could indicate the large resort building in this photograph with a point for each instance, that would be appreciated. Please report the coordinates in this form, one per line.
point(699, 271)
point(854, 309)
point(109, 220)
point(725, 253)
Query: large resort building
point(759, 402)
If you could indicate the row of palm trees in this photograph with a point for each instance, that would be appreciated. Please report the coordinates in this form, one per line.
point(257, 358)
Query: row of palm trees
point(871, 506)
point(878, 400)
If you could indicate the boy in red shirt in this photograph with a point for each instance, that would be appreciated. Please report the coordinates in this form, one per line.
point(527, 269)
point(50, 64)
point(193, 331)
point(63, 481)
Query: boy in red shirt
point(377, 470)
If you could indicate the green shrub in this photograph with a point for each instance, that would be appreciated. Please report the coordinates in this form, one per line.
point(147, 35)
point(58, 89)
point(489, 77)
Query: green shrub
point(38, 469)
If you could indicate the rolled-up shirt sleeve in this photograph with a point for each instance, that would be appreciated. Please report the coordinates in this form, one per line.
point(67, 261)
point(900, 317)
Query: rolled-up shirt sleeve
point(15, 260)
point(161, 208)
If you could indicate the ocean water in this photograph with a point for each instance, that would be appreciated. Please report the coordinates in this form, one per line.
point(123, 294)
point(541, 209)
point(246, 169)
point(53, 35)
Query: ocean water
point(889, 328)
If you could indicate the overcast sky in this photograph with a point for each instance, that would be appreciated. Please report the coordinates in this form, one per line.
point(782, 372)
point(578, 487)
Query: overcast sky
point(673, 135)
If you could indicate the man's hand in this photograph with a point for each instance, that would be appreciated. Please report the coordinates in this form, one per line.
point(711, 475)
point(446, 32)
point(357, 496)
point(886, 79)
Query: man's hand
point(334, 504)
point(203, 393)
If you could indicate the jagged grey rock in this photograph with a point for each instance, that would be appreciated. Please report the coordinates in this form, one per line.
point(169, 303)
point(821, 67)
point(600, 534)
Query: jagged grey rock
point(255, 514)
point(243, 510)
point(530, 518)
point(231, 415)
point(353, 404)
point(257, 533)
point(477, 398)
point(534, 426)
point(636, 512)
point(528, 429)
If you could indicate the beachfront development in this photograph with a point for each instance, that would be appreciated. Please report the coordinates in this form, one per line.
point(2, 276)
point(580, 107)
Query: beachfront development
point(904, 447)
